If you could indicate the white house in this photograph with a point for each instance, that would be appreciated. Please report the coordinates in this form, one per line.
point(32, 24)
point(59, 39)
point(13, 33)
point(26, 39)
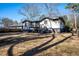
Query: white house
point(56, 24)
point(15, 26)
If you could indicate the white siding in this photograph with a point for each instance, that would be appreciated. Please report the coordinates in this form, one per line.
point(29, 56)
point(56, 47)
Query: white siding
point(26, 25)
point(50, 24)
point(42, 24)
point(55, 24)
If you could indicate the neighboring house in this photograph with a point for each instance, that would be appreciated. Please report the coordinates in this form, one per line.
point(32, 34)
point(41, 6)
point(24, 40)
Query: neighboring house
point(15, 26)
point(56, 24)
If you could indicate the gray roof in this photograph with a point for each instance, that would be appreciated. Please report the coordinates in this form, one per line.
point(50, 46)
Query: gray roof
point(37, 21)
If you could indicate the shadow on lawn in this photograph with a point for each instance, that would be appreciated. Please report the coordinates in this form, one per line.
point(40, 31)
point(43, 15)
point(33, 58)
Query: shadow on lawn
point(10, 50)
point(14, 40)
point(6, 34)
point(37, 49)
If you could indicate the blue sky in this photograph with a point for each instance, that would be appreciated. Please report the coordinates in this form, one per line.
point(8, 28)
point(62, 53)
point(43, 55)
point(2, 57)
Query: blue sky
point(10, 10)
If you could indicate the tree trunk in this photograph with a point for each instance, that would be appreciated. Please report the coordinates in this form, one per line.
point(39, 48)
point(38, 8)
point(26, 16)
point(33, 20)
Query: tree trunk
point(74, 30)
point(78, 32)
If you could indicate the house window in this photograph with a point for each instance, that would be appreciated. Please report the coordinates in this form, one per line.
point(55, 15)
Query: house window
point(45, 22)
point(56, 22)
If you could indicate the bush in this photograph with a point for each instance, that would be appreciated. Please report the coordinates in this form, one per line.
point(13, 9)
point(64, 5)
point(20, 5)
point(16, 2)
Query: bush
point(3, 30)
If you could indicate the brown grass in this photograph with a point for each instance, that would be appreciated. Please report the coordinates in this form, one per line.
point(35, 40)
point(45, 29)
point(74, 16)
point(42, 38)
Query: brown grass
point(70, 47)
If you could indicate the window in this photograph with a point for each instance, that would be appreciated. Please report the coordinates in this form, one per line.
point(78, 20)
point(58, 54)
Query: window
point(56, 22)
point(45, 22)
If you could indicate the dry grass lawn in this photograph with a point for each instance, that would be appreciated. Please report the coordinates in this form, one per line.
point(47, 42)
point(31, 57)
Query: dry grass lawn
point(41, 45)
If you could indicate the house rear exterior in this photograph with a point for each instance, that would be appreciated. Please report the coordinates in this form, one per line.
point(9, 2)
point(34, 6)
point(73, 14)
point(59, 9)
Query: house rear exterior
point(49, 23)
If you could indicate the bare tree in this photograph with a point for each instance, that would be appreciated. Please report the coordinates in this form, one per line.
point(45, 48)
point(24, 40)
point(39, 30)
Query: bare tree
point(7, 22)
point(0, 20)
point(15, 22)
point(74, 7)
point(30, 11)
point(33, 11)
point(52, 9)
